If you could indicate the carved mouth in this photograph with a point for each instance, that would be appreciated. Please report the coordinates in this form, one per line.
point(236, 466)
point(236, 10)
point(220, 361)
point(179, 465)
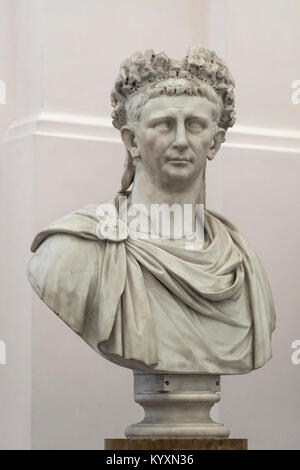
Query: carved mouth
point(179, 160)
point(179, 156)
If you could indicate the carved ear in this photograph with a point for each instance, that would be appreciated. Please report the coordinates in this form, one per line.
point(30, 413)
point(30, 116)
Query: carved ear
point(128, 138)
point(128, 175)
point(216, 143)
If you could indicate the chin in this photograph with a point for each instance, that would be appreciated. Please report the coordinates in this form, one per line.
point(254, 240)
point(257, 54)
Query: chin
point(179, 175)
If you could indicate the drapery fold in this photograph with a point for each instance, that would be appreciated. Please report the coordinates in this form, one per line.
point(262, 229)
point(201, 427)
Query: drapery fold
point(223, 281)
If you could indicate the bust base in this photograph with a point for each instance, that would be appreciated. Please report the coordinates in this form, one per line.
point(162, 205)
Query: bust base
point(176, 444)
point(176, 406)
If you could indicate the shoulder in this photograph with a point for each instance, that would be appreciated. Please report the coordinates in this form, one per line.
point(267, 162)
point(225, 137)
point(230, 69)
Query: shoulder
point(67, 254)
point(63, 272)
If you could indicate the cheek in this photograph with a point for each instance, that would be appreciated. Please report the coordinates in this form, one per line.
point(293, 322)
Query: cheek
point(153, 143)
point(201, 144)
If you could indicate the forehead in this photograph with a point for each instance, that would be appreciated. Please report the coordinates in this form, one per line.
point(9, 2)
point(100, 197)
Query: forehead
point(174, 106)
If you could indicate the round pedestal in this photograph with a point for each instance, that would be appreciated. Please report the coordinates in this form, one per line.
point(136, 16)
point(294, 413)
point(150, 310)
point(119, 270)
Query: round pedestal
point(176, 406)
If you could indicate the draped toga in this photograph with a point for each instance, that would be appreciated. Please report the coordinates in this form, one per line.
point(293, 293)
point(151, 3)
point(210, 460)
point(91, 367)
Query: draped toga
point(153, 305)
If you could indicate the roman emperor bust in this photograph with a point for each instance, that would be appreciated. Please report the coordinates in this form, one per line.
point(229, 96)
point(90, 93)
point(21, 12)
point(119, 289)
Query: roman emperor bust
point(160, 304)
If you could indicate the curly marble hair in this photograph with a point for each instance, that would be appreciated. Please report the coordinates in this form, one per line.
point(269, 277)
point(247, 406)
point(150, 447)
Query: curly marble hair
point(150, 72)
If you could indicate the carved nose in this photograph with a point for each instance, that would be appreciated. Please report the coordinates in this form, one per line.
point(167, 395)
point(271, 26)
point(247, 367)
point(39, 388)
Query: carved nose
point(180, 141)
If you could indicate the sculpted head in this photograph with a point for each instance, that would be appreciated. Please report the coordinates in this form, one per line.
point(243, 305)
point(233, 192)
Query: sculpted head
point(173, 115)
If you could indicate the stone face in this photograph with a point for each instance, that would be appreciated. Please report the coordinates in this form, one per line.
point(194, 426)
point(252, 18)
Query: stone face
point(178, 305)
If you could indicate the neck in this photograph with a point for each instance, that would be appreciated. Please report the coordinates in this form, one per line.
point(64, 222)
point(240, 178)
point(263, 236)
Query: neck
point(147, 191)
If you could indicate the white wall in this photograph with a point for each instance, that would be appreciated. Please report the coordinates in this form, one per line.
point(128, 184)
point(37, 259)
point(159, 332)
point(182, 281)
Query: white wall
point(262, 41)
point(260, 192)
point(62, 154)
point(15, 299)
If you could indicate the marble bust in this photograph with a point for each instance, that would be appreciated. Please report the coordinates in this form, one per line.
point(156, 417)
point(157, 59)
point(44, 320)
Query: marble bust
point(153, 305)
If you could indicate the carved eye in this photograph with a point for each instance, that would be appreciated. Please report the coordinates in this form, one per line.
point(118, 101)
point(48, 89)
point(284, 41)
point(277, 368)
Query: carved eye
point(194, 125)
point(163, 126)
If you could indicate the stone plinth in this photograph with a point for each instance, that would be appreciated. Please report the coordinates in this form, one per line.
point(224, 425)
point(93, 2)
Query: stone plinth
point(176, 406)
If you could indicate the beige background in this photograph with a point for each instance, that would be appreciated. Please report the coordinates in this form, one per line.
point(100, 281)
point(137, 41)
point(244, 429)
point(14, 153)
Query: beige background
point(58, 59)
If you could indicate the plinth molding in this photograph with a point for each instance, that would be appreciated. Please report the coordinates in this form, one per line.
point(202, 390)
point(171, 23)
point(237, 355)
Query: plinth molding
point(176, 406)
point(87, 127)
